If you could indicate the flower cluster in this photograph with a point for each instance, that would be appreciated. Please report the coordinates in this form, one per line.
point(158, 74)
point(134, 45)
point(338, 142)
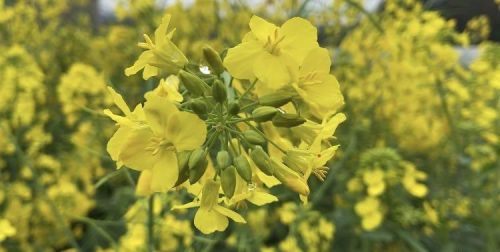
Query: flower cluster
point(228, 136)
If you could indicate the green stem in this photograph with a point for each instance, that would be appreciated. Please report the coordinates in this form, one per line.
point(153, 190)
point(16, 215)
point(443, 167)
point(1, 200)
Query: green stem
point(151, 239)
point(263, 135)
point(248, 89)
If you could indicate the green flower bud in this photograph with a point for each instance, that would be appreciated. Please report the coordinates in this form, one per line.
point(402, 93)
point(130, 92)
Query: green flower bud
point(289, 178)
point(262, 160)
point(196, 157)
point(219, 91)
point(195, 85)
point(234, 108)
point(228, 181)
point(253, 137)
point(264, 113)
point(223, 159)
point(213, 59)
point(182, 160)
point(243, 168)
point(287, 120)
point(197, 171)
point(277, 99)
point(199, 107)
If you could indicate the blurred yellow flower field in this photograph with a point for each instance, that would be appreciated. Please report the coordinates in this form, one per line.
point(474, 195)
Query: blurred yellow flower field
point(280, 125)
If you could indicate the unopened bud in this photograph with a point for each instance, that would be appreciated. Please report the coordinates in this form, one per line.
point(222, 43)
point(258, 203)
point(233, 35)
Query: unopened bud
point(219, 91)
point(289, 178)
point(253, 137)
point(264, 113)
point(199, 107)
point(213, 59)
point(277, 99)
point(234, 108)
point(223, 159)
point(243, 168)
point(197, 171)
point(197, 157)
point(195, 85)
point(287, 120)
point(182, 161)
point(228, 181)
point(261, 159)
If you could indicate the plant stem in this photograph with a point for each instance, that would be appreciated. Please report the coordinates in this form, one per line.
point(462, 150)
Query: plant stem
point(151, 239)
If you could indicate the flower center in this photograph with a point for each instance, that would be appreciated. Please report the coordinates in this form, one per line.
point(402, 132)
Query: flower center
point(309, 79)
point(272, 43)
point(159, 143)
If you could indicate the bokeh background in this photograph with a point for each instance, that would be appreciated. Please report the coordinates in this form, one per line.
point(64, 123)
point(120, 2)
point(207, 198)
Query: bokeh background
point(418, 168)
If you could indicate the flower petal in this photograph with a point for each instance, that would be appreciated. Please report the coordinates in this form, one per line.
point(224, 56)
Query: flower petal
point(133, 152)
point(300, 36)
point(261, 198)
point(143, 187)
point(229, 213)
point(158, 110)
point(261, 28)
point(208, 220)
point(186, 131)
point(165, 171)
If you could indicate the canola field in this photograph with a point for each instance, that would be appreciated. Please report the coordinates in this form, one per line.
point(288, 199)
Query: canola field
point(223, 125)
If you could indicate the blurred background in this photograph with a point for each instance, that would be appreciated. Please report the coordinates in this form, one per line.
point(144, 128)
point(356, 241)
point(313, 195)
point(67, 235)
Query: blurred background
point(418, 167)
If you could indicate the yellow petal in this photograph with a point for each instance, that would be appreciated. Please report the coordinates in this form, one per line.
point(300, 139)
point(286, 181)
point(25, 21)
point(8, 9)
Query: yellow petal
point(187, 205)
point(165, 171)
point(300, 37)
point(144, 183)
point(119, 102)
point(186, 131)
point(317, 60)
point(158, 111)
point(372, 220)
point(116, 142)
point(134, 153)
point(261, 28)
point(240, 59)
point(261, 198)
point(229, 213)
point(273, 70)
point(140, 63)
point(208, 220)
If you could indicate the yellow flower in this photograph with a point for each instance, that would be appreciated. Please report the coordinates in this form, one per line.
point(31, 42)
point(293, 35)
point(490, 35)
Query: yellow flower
point(410, 181)
point(152, 145)
point(374, 180)
point(316, 86)
point(162, 54)
point(211, 216)
point(6, 229)
point(168, 88)
point(269, 53)
point(369, 211)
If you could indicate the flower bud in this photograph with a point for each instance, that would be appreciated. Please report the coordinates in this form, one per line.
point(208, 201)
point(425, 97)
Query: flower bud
point(253, 137)
point(287, 120)
point(219, 91)
point(213, 59)
point(234, 108)
point(264, 113)
point(199, 107)
point(182, 160)
point(197, 171)
point(289, 178)
point(197, 157)
point(228, 180)
point(261, 159)
point(223, 159)
point(277, 99)
point(243, 168)
point(195, 85)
